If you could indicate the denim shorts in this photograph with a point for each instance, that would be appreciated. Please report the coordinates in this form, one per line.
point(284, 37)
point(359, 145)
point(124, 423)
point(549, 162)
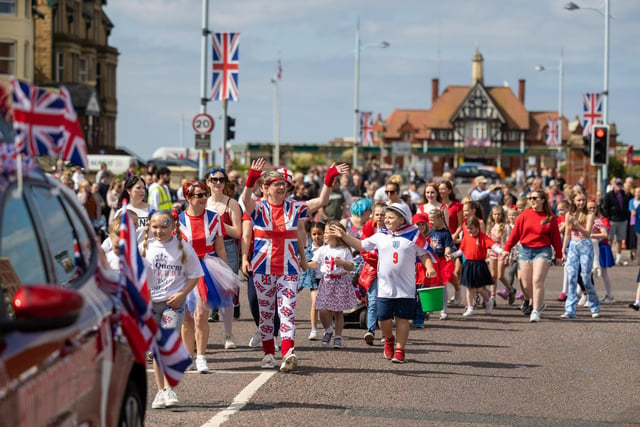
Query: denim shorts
point(529, 254)
point(387, 308)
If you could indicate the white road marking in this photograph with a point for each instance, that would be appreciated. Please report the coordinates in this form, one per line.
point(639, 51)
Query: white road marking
point(241, 400)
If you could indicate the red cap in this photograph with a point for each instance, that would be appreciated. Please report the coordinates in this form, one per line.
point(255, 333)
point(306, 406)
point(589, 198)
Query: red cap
point(420, 217)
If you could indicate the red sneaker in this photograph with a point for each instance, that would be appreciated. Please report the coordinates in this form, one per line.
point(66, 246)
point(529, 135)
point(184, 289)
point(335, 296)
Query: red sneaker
point(389, 343)
point(562, 297)
point(398, 356)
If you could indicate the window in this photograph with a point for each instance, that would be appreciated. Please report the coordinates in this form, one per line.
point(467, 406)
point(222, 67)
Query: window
point(7, 57)
point(84, 70)
point(59, 77)
point(7, 7)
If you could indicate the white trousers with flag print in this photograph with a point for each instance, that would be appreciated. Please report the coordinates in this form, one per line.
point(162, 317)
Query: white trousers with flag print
point(273, 289)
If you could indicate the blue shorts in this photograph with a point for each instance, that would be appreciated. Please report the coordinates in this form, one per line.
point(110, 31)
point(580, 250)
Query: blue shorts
point(388, 308)
point(529, 254)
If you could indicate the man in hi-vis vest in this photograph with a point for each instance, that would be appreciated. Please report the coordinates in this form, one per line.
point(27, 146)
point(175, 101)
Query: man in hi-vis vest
point(159, 194)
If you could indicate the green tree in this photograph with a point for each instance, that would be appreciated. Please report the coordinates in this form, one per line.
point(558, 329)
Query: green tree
point(616, 168)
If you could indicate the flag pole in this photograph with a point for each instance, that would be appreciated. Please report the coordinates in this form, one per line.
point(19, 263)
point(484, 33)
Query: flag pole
point(203, 77)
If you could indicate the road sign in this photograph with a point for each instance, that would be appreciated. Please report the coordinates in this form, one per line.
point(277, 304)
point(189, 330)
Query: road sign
point(203, 141)
point(401, 148)
point(203, 123)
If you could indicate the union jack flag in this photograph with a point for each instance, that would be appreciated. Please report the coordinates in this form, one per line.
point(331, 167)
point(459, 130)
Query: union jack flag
point(37, 120)
point(225, 66)
point(9, 161)
point(366, 128)
point(74, 148)
point(551, 136)
point(591, 112)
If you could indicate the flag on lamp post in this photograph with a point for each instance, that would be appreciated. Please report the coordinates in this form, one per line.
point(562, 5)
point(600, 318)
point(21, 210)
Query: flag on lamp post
point(591, 112)
point(551, 136)
point(225, 66)
point(366, 128)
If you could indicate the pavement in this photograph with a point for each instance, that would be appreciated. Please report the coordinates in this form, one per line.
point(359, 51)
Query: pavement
point(496, 369)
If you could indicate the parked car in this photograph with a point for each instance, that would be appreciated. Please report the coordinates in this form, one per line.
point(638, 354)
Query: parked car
point(467, 172)
point(63, 359)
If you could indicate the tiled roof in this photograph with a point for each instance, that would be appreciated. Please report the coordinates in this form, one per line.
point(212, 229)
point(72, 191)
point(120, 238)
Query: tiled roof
point(398, 120)
point(538, 121)
point(446, 105)
point(510, 107)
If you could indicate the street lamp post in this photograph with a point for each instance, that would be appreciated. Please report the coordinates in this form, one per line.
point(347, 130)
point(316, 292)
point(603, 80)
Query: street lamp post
point(560, 81)
point(276, 120)
point(356, 92)
point(602, 184)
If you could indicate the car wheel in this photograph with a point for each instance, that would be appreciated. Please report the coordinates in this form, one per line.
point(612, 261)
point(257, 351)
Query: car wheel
point(132, 410)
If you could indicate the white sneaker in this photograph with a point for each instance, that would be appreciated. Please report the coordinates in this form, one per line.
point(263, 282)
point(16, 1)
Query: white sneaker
point(468, 312)
point(289, 361)
point(201, 365)
point(228, 342)
point(268, 362)
point(595, 315)
point(535, 316)
point(170, 398)
point(598, 272)
point(256, 340)
point(313, 335)
point(489, 306)
point(443, 315)
point(607, 300)
point(583, 300)
point(158, 402)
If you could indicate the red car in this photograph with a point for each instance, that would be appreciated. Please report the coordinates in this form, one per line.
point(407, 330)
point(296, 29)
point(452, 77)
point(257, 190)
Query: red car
point(63, 358)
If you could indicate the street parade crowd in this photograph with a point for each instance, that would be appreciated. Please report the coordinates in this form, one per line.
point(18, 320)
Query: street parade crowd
point(353, 238)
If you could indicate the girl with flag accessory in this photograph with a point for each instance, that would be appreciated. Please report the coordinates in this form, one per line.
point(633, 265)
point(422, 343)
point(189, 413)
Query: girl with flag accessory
point(310, 278)
point(398, 243)
point(230, 214)
point(335, 291)
point(475, 272)
point(600, 235)
point(454, 208)
point(278, 224)
point(201, 228)
point(176, 269)
point(499, 231)
point(536, 228)
point(579, 258)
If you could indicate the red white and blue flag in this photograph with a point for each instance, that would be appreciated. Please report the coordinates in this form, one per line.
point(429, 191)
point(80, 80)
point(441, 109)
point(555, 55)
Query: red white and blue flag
point(551, 136)
point(591, 112)
point(37, 120)
point(225, 66)
point(9, 161)
point(46, 124)
point(366, 128)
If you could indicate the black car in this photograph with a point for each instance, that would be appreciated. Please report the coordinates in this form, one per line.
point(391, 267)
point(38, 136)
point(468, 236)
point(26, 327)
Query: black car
point(467, 172)
point(63, 358)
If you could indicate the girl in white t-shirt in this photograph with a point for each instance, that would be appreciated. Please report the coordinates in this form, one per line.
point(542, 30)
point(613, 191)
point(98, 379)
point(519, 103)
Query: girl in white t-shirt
point(335, 291)
point(176, 270)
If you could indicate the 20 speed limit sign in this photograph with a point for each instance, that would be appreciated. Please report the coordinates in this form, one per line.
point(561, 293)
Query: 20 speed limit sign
point(202, 123)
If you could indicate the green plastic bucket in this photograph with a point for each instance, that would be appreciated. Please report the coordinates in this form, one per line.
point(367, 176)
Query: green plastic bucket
point(431, 298)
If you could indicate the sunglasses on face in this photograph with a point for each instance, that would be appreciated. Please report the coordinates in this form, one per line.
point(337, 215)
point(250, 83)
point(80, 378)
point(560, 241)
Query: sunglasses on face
point(199, 195)
point(218, 180)
point(391, 191)
point(533, 198)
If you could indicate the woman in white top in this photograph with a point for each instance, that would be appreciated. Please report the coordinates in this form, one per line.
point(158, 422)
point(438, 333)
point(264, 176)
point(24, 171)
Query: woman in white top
point(135, 192)
point(433, 201)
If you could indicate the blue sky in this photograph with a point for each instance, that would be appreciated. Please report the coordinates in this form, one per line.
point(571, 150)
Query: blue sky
point(159, 64)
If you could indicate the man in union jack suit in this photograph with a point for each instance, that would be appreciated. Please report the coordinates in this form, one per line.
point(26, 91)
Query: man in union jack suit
point(277, 224)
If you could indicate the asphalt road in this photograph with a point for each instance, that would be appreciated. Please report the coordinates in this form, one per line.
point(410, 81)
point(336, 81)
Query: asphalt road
point(496, 369)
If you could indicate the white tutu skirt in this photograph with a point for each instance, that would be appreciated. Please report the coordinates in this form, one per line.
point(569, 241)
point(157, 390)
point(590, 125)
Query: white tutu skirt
point(216, 288)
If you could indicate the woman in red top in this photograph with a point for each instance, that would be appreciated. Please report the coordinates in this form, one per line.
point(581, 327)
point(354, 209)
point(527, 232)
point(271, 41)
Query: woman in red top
point(454, 214)
point(537, 231)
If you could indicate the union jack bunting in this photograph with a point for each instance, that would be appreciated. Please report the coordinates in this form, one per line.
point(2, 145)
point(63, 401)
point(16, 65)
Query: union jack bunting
point(9, 161)
point(366, 128)
point(37, 120)
point(551, 136)
point(225, 66)
point(591, 112)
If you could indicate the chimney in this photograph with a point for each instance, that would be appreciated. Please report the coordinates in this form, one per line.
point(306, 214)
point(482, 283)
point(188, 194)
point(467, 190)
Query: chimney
point(521, 90)
point(434, 90)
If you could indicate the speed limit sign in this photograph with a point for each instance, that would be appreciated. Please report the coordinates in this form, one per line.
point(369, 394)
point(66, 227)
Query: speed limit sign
point(203, 123)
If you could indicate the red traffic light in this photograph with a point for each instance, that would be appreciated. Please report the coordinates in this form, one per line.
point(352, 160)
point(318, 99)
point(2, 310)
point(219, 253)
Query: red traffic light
point(600, 133)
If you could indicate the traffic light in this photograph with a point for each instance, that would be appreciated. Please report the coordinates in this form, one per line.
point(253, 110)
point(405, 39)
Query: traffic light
point(599, 144)
point(231, 133)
